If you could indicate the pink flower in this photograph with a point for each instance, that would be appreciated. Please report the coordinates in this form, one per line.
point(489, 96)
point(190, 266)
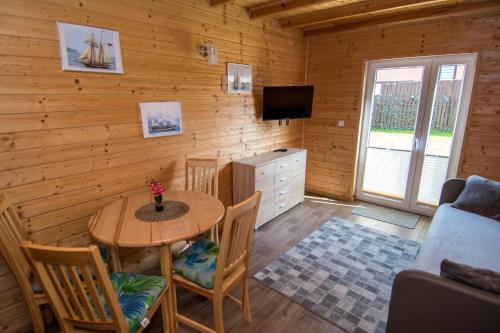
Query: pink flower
point(156, 188)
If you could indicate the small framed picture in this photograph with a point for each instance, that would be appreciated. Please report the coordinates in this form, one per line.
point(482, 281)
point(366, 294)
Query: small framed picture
point(89, 49)
point(161, 119)
point(239, 78)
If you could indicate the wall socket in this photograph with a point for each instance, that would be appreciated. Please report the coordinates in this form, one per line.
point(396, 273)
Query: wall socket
point(341, 123)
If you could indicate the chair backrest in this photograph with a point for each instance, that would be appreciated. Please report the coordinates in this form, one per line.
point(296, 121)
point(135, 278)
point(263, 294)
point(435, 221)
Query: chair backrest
point(12, 234)
point(202, 175)
point(237, 235)
point(78, 287)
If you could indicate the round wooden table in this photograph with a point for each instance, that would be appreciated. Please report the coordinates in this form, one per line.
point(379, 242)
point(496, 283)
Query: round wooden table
point(117, 226)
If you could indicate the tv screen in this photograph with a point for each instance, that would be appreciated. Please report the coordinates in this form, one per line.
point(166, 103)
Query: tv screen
point(287, 102)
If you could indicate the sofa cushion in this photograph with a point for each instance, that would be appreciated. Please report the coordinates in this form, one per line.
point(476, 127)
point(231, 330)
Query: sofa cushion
point(480, 196)
point(462, 237)
point(477, 277)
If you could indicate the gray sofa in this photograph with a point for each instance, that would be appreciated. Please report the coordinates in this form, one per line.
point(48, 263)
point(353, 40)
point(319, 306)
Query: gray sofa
point(423, 301)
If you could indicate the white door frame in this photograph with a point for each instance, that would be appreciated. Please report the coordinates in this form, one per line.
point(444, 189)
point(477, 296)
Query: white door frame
point(429, 79)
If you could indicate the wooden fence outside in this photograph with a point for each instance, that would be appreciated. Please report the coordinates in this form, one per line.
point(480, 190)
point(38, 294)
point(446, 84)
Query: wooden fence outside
point(396, 106)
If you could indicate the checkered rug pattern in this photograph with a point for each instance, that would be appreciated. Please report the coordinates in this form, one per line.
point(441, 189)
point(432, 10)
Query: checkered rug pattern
point(343, 272)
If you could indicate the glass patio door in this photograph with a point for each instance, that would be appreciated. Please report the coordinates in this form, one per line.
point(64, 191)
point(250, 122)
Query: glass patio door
point(412, 128)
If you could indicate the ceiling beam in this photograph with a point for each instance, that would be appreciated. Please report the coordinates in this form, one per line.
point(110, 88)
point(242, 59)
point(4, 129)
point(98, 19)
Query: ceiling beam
point(359, 8)
point(273, 7)
point(490, 7)
point(216, 2)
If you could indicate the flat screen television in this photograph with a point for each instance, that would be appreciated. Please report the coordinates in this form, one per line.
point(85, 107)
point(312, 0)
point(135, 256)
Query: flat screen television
point(287, 102)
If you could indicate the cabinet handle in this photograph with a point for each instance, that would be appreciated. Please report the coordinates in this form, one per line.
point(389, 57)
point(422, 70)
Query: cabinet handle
point(282, 205)
point(282, 192)
point(284, 165)
point(282, 180)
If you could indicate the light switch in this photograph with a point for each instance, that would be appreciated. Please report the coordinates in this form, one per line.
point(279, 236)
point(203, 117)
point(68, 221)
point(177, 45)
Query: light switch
point(341, 123)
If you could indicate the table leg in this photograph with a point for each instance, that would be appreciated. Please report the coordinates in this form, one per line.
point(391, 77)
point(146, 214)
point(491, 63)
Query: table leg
point(114, 259)
point(168, 314)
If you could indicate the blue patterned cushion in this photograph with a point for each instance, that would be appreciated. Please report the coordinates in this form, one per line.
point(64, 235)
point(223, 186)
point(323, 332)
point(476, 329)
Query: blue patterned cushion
point(198, 263)
point(136, 294)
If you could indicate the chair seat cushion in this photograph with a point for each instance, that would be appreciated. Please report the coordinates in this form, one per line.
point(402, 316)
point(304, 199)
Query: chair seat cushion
point(198, 263)
point(136, 295)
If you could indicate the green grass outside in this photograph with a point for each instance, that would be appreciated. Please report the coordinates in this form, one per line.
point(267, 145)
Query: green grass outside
point(405, 131)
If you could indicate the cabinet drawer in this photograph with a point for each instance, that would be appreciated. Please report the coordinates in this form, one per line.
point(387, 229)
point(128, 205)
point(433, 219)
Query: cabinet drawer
point(298, 161)
point(264, 173)
point(294, 162)
point(283, 165)
point(283, 192)
point(283, 178)
point(281, 206)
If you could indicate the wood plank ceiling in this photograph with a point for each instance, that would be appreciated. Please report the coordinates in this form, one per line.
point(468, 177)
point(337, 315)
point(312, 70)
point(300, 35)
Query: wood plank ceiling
point(321, 16)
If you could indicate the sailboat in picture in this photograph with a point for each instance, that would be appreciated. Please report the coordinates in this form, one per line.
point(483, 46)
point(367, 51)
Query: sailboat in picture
point(96, 55)
point(89, 49)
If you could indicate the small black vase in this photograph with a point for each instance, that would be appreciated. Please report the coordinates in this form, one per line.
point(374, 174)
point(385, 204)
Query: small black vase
point(159, 203)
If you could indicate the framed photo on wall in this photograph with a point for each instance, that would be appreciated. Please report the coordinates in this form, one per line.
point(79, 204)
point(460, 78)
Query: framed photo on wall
point(89, 49)
point(239, 78)
point(161, 119)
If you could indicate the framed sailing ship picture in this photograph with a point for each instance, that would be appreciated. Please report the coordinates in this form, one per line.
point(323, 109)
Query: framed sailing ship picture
point(239, 78)
point(89, 49)
point(161, 119)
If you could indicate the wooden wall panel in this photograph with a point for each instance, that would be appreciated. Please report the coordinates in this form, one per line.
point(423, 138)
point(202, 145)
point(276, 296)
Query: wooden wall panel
point(71, 142)
point(336, 67)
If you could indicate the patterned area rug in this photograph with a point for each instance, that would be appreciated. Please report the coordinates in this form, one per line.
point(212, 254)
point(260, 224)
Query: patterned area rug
point(343, 272)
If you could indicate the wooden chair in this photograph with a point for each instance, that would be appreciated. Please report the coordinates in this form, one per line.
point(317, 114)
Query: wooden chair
point(232, 264)
point(12, 234)
point(202, 175)
point(82, 294)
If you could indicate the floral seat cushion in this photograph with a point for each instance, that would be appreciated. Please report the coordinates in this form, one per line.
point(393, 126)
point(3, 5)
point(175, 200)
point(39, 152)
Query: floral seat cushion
point(136, 295)
point(198, 263)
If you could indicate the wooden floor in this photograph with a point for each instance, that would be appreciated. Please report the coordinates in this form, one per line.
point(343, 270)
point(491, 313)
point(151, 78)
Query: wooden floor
point(271, 311)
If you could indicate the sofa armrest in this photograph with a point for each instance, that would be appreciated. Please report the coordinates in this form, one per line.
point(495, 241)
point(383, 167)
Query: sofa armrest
point(424, 302)
point(451, 190)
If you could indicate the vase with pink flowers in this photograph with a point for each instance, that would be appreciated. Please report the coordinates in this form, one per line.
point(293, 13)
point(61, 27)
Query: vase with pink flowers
point(157, 189)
